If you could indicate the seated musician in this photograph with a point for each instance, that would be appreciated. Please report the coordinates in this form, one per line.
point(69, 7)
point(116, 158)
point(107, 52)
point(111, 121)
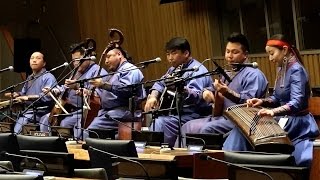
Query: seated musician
point(72, 104)
point(115, 92)
point(33, 88)
point(246, 83)
point(179, 54)
point(289, 102)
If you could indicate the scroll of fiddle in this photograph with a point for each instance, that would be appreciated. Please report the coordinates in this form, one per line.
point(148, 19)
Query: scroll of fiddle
point(263, 132)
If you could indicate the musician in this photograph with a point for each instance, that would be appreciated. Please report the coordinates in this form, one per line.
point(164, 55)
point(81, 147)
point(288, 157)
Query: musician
point(115, 91)
point(179, 54)
point(39, 79)
point(246, 83)
point(86, 69)
point(289, 102)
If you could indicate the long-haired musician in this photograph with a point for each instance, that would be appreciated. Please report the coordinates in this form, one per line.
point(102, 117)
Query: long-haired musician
point(38, 80)
point(289, 102)
point(247, 82)
point(179, 56)
point(85, 69)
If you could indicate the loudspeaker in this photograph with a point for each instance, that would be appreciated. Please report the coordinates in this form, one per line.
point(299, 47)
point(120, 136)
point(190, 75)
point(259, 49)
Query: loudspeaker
point(23, 48)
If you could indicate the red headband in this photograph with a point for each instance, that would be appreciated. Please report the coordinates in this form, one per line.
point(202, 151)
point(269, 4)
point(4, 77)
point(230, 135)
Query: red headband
point(279, 43)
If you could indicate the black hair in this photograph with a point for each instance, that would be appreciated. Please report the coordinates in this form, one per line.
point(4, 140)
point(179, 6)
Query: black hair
point(292, 48)
point(178, 43)
point(236, 37)
point(77, 47)
point(43, 54)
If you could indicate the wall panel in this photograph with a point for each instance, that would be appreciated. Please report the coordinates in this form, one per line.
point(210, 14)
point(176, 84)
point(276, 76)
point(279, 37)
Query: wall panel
point(147, 26)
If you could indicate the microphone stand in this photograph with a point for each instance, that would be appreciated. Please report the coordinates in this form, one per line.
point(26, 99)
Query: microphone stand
point(179, 84)
point(35, 101)
point(179, 104)
point(133, 89)
point(155, 113)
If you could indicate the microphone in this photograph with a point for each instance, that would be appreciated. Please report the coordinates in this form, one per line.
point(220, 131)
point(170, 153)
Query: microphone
point(206, 157)
point(239, 65)
point(86, 58)
point(146, 63)
point(88, 131)
point(196, 138)
point(4, 154)
point(10, 68)
point(222, 72)
point(87, 147)
point(180, 72)
point(58, 67)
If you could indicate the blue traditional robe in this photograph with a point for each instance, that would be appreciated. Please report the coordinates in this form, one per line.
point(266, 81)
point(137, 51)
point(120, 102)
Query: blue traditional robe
point(115, 101)
point(75, 101)
point(192, 97)
point(292, 92)
point(248, 83)
point(34, 87)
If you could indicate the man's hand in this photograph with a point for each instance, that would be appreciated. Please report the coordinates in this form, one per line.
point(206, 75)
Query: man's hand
point(151, 103)
point(220, 86)
point(15, 94)
point(208, 96)
point(55, 91)
point(70, 84)
point(96, 82)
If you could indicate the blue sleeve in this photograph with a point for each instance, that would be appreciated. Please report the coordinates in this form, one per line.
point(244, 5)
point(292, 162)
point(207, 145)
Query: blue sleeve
point(194, 87)
point(254, 85)
point(48, 80)
point(160, 85)
point(120, 89)
point(298, 95)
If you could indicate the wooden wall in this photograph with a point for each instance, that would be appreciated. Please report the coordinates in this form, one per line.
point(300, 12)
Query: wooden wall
point(147, 26)
point(311, 60)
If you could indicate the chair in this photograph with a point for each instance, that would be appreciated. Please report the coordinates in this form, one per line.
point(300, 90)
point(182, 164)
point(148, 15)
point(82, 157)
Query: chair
point(6, 165)
point(20, 177)
point(259, 158)
point(278, 166)
point(92, 173)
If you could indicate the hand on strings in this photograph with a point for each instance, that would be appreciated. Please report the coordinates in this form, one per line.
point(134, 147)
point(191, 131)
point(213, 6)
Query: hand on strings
point(266, 112)
point(254, 102)
point(220, 86)
point(169, 82)
point(85, 91)
point(152, 103)
point(208, 96)
point(23, 98)
point(96, 82)
point(15, 94)
point(55, 91)
point(70, 84)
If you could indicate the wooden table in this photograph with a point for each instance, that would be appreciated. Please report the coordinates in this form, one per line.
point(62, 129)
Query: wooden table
point(315, 167)
point(187, 162)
